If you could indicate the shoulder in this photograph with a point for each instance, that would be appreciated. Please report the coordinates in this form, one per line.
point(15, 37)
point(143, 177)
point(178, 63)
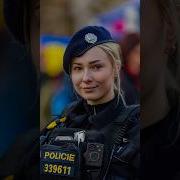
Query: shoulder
point(62, 119)
point(133, 112)
point(71, 107)
point(130, 119)
point(133, 119)
point(130, 113)
point(133, 109)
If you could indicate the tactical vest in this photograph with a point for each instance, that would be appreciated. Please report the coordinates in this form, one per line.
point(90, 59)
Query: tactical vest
point(66, 162)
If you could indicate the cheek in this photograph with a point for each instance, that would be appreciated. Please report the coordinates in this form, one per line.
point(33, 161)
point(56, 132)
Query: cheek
point(76, 80)
point(105, 78)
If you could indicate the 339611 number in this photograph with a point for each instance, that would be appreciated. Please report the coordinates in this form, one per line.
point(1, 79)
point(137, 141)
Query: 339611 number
point(57, 169)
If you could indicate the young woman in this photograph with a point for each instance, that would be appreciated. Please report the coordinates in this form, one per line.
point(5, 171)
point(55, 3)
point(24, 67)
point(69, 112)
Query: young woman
point(93, 62)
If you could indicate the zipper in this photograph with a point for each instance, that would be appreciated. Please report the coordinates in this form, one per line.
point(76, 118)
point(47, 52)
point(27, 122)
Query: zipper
point(94, 110)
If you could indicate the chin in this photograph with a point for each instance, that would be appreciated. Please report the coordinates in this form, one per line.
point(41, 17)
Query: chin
point(91, 97)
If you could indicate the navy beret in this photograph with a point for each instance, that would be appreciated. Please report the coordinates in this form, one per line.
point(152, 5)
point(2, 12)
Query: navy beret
point(82, 41)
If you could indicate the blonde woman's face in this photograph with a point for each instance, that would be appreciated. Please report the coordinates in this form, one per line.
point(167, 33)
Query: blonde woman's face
point(93, 76)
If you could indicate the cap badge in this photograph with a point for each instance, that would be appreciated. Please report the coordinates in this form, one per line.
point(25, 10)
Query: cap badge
point(90, 38)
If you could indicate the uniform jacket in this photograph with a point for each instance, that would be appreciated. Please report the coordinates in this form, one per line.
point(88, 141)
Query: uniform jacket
point(125, 157)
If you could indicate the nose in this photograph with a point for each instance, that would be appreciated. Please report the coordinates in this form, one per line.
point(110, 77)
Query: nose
point(87, 76)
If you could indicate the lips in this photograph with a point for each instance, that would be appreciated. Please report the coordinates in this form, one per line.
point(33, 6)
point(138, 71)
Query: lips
point(89, 87)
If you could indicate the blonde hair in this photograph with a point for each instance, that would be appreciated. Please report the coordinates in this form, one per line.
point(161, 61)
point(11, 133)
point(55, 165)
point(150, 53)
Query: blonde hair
point(114, 51)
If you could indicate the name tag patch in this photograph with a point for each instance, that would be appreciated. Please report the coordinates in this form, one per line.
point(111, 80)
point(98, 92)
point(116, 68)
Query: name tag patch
point(58, 161)
point(56, 156)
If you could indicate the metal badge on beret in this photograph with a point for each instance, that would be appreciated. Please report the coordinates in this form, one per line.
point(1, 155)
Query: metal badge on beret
point(90, 38)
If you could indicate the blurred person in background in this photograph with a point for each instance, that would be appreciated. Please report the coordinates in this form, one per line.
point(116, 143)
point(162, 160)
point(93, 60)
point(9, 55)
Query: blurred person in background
point(16, 95)
point(23, 21)
point(160, 93)
point(18, 84)
point(130, 74)
point(21, 95)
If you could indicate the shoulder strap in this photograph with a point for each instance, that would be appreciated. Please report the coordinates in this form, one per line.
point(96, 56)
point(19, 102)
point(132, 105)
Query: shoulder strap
point(53, 124)
point(118, 128)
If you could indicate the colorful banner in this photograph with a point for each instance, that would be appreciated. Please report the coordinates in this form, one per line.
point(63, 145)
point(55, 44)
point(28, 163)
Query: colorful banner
point(121, 20)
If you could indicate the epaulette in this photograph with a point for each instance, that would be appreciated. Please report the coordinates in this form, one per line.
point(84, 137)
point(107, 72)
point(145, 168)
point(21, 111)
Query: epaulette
point(55, 123)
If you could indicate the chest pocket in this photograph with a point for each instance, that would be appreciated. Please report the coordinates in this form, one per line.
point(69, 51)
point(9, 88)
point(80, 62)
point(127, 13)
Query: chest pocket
point(128, 151)
point(125, 153)
point(60, 155)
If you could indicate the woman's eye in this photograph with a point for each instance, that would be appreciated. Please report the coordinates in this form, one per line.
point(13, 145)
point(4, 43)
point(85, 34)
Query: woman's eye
point(96, 67)
point(77, 68)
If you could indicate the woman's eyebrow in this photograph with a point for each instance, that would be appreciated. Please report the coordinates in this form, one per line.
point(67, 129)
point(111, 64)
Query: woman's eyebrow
point(95, 61)
point(75, 63)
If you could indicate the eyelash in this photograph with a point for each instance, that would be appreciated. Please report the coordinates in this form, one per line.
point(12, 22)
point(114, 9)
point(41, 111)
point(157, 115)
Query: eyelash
point(96, 67)
point(77, 68)
point(92, 67)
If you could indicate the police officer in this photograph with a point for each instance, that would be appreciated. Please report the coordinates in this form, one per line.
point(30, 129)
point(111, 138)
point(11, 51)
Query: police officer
point(93, 62)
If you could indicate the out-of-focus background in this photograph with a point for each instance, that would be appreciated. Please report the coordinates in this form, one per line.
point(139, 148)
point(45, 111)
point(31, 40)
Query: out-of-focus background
point(59, 19)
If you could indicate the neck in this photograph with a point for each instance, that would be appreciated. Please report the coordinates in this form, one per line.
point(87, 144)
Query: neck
point(103, 100)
